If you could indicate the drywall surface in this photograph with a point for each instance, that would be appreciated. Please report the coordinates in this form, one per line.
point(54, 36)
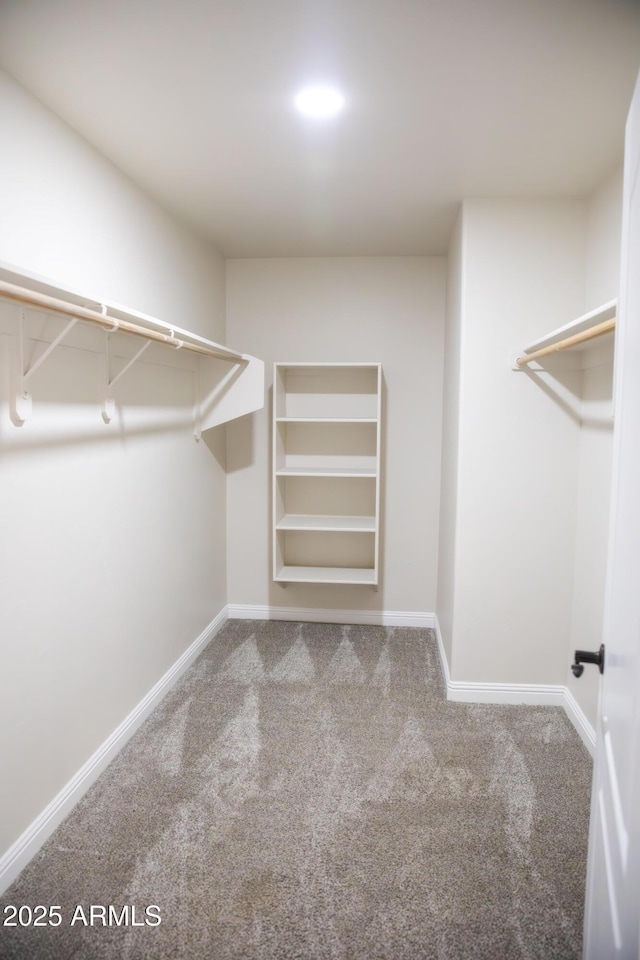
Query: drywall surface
point(604, 236)
point(604, 229)
point(348, 309)
point(450, 439)
point(71, 216)
point(112, 555)
point(523, 274)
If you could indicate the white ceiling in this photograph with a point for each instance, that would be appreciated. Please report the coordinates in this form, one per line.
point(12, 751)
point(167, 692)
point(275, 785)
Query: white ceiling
point(446, 99)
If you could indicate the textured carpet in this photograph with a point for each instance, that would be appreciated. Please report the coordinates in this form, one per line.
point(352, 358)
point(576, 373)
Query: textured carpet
point(307, 792)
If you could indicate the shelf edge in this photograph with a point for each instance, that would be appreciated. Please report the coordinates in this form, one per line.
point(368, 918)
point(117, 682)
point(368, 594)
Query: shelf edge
point(604, 312)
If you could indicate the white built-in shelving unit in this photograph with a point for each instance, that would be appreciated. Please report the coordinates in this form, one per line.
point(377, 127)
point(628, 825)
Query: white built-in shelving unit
point(326, 472)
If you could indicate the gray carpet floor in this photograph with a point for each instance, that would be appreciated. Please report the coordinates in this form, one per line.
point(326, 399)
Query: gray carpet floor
point(306, 791)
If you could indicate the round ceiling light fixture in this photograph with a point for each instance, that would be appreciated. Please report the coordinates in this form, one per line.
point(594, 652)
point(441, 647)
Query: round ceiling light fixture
point(319, 102)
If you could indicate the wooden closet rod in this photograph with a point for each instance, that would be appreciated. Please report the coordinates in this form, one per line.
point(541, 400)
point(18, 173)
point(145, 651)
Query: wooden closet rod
point(596, 331)
point(23, 295)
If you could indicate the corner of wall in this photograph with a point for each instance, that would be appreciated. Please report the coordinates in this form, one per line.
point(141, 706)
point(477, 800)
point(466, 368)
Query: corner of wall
point(15, 859)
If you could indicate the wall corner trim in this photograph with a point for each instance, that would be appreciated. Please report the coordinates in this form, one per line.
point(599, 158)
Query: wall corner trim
point(579, 719)
point(540, 694)
point(385, 618)
point(15, 859)
point(444, 663)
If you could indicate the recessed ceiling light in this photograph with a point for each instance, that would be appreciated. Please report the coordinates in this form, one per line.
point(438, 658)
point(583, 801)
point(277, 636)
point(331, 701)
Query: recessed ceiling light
point(319, 102)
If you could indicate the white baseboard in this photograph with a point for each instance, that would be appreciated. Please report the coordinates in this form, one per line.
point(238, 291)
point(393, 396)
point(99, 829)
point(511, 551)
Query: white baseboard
point(385, 618)
point(535, 694)
point(26, 846)
point(530, 693)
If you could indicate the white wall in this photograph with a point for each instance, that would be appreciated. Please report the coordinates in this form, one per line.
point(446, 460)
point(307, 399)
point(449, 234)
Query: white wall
point(113, 555)
point(522, 274)
point(348, 309)
point(450, 439)
point(604, 236)
point(69, 215)
point(604, 230)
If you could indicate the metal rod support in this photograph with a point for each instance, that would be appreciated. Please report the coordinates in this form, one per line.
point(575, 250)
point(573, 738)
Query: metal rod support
point(130, 363)
point(43, 356)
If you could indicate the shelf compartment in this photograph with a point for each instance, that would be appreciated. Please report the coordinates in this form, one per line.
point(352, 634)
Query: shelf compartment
point(322, 522)
point(299, 574)
point(336, 446)
point(325, 548)
point(329, 496)
point(327, 391)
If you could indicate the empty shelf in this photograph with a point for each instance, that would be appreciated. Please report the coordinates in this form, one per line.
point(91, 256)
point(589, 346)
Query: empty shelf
point(326, 472)
point(326, 419)
point(327, 523)
point(296, 574)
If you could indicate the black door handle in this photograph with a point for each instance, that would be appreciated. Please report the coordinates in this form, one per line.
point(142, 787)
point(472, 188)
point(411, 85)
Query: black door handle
point(586, 656)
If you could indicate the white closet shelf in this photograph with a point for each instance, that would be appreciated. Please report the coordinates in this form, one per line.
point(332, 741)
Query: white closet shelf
point(29, 289)
point(221, 397)
point(574, 335)
point(326, 419)
point(291, 574)
point(326, 472)
point(293, 521)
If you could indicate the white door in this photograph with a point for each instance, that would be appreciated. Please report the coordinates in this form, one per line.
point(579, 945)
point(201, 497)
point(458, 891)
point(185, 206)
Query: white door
point(612, 913)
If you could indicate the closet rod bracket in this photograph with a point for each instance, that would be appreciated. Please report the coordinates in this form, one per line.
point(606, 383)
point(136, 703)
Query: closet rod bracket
point(22, 400)
point(108, 409)
point(22, 404)
point(109, 405)
point(513, 363)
